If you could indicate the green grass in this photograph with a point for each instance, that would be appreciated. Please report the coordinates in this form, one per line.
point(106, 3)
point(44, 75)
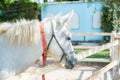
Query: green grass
point(102, 54)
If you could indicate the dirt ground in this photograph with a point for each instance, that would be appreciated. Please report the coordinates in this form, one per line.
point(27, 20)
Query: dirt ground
point(80, 72)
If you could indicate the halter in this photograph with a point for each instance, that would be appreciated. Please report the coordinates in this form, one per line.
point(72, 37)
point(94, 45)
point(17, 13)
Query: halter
point(44, 43)
point(46, 47)
point(54, 37)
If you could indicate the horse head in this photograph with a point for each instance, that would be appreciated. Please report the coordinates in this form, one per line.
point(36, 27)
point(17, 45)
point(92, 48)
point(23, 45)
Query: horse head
point(60, 45)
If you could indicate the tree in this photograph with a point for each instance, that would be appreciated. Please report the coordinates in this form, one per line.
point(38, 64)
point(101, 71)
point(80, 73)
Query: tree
point(24, 0)
point(8, 1)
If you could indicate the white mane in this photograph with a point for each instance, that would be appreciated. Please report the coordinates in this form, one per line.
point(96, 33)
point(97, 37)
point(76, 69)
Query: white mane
point(22, 31)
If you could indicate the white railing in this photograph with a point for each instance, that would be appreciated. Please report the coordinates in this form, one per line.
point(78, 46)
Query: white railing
point(114, 47)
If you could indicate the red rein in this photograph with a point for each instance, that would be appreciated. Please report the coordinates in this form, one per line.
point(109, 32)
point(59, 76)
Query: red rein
point(44, 44)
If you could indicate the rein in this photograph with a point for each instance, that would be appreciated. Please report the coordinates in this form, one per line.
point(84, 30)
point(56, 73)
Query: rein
point(44, 44)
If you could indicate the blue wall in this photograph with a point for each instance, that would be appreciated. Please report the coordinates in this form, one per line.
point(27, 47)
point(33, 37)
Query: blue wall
point(85, 10)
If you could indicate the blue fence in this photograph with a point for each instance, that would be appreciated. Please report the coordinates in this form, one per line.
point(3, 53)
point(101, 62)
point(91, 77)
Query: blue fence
point(87, 16)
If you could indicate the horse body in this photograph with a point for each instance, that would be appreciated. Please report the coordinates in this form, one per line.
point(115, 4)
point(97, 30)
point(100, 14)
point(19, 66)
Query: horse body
point(16, 58)
point(21, 45)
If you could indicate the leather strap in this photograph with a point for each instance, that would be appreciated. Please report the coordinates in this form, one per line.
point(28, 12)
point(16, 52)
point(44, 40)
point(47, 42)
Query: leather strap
point(44, 44)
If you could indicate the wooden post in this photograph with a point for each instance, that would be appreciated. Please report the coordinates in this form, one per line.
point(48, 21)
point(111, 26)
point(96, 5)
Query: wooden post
point(117, 37)
point(99, 74)
point(112, 49)
point(114, 54)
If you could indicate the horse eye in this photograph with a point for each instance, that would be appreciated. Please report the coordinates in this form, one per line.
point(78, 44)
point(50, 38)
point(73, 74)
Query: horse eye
point(68, 38)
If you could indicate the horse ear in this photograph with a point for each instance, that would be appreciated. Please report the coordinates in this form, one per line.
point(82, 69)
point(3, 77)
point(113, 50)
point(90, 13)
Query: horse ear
point(66, 18)
point(62, 20)
point(58, 16)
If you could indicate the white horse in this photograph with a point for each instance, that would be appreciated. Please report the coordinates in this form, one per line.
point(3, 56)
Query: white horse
point(21, 44)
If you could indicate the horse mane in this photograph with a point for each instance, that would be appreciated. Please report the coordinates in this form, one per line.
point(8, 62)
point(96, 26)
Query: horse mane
point(22, 31)
point(4, 27)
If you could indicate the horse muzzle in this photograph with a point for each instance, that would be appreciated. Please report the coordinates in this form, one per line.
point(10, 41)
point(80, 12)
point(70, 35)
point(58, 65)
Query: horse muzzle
point(71, 61)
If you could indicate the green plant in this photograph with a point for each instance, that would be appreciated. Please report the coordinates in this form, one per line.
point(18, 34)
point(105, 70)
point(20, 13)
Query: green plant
point(18, 10)
point(102, 54)
point(110, 17)
point(116, 18)
point(107, 25)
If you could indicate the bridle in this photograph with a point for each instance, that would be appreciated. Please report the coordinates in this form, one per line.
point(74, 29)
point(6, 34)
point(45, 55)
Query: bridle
point(60, 46)
point(46, 47)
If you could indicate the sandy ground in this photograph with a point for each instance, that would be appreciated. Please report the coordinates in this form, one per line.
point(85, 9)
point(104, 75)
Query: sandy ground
point(80, 72)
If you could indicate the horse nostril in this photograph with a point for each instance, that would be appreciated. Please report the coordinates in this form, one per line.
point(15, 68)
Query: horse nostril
point(75, 61)
point(69, 65)
point(71, 61)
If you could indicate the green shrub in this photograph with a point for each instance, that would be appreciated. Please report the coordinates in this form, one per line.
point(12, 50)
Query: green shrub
point(110, 18)
point(18, 10)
